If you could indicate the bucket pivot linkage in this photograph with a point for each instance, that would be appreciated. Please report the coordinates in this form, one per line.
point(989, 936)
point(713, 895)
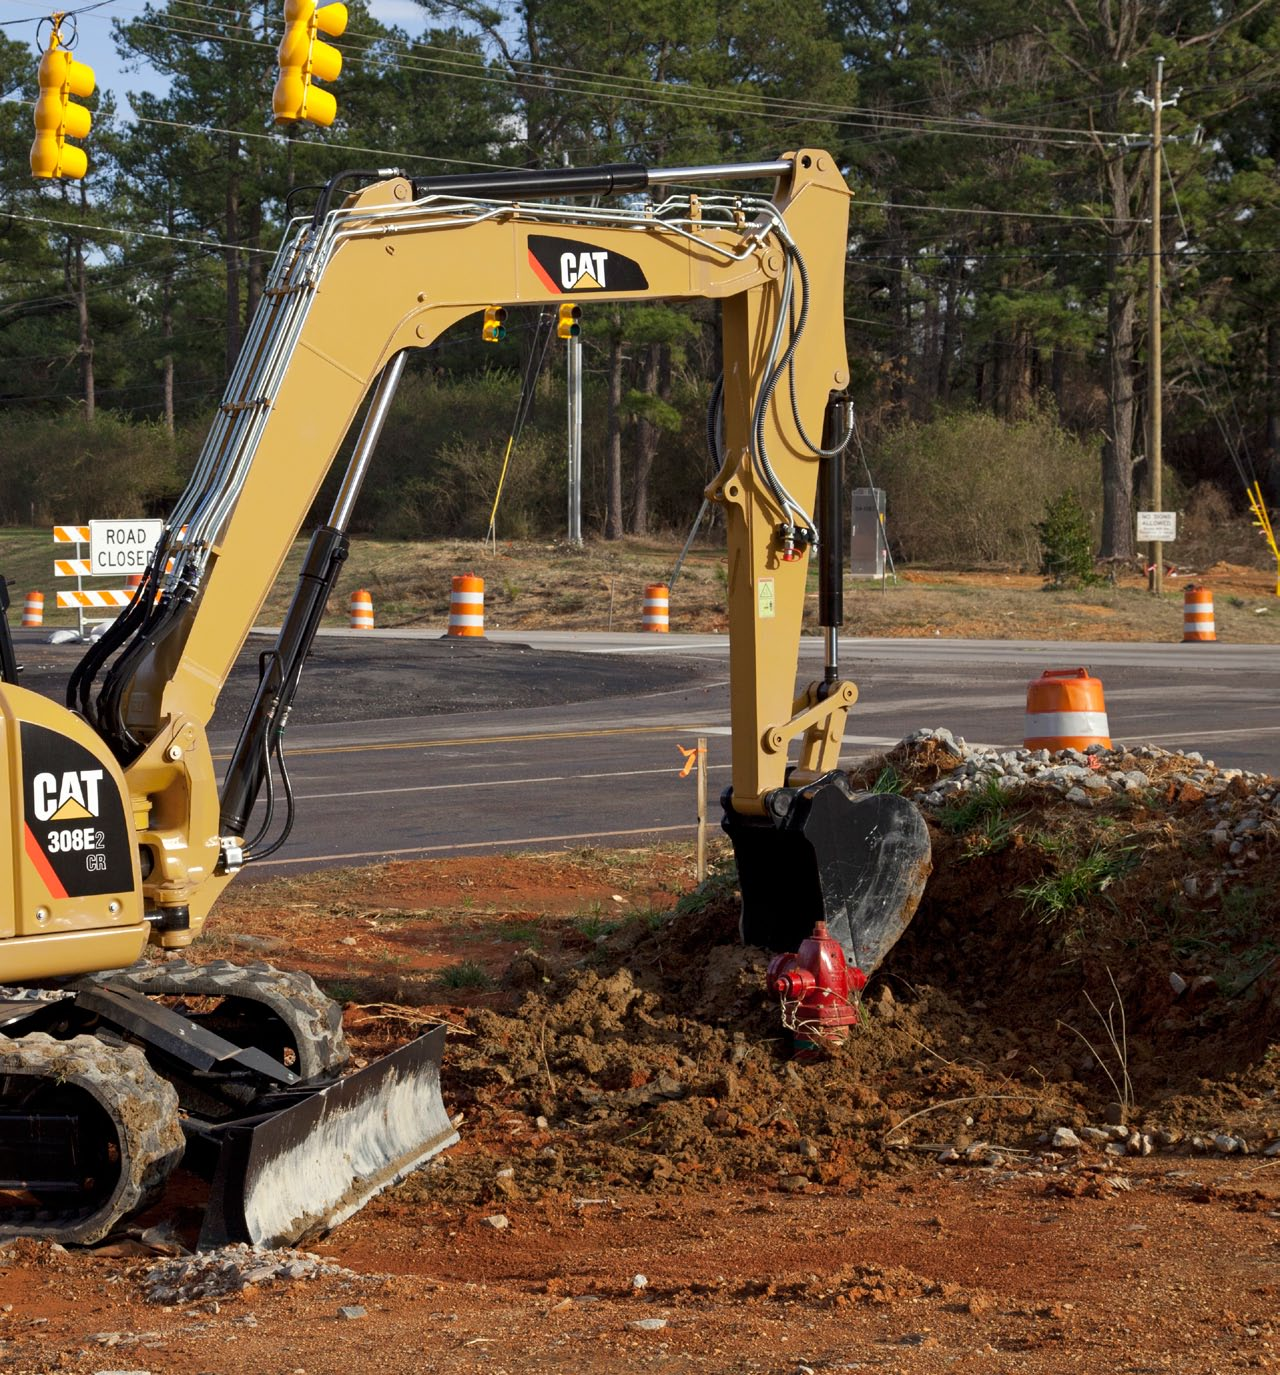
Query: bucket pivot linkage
point(822, 852)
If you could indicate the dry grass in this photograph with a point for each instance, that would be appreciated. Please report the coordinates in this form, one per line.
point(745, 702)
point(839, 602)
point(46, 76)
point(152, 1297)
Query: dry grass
point(533, 585)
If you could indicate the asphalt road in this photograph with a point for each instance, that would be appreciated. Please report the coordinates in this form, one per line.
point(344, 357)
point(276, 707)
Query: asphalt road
point(550, 740)
point(606, 771)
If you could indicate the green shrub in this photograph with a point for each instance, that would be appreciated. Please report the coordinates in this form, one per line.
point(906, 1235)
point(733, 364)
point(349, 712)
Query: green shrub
point(969, 488)
point(62, 470)
point(1066, 543)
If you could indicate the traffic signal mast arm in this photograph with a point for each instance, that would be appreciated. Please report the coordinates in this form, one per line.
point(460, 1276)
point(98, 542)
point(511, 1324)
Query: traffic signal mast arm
point(389, 271)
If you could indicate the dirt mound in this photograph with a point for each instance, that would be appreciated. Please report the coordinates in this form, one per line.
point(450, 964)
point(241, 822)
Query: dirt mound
point(1071, 963)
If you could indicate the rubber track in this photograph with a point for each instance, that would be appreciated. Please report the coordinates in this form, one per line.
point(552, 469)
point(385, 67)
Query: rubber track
point(313, 1021)
point(143, 1107)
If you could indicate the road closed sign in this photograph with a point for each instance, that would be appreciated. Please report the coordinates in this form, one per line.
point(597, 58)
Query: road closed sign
point(120, 547)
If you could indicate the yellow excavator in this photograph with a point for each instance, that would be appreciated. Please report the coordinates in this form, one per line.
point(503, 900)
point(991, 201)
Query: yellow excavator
point(122, 834)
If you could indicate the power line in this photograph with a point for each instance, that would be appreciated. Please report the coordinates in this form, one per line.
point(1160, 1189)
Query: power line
point(307, 143)
point(449, 55)
point(978, 210)
point(448, 58)
point(710, 100)
point(212, 244)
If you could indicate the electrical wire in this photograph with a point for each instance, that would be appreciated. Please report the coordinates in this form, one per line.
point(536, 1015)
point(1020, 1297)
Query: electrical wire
point(523, 406)
point(709, 100)
point(450, 55)
point(1238, 448)
point(137, 233)
point(444, 60)
point(871, 482)
point(1004, 214)
point(452, 61)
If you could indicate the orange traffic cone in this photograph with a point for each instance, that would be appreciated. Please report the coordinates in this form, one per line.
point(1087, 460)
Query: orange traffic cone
point(1197, 615)
point(466, 605)
point(361, 609)
point(1065, 711)
point(657, 608)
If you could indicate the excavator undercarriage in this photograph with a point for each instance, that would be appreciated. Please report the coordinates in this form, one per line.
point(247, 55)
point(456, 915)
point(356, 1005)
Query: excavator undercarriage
point(106, 1087)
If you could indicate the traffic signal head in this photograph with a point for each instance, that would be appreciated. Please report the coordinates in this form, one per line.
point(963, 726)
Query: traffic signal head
point(302, 58)
point(567, 326)
point(494, 329)
point(57, 117)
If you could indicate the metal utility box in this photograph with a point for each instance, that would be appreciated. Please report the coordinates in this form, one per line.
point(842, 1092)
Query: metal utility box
point(866, 539)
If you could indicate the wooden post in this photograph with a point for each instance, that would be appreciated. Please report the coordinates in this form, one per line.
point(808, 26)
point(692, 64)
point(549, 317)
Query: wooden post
point(1155, 381)
point(702, 808)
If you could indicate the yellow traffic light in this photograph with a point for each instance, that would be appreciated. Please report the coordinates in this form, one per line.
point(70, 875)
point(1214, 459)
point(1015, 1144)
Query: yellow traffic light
point(302, 58)
point(58, 118)
point(567, 326)
point(494, 329)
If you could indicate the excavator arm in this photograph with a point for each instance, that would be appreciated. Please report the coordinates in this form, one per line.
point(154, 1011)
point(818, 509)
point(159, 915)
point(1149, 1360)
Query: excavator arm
point(391, 269)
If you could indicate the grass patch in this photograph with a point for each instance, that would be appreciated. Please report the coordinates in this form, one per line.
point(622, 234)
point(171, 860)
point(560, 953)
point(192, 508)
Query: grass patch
point(468, 974)
point(888, 780)
point(991, 835)
point(527, 933)
point(1065, 892)
point(975, 807)
point(594, 925)
point(721, 882)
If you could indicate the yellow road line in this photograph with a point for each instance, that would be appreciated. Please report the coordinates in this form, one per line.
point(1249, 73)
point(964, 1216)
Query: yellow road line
point(295, 751)
point(523, 842)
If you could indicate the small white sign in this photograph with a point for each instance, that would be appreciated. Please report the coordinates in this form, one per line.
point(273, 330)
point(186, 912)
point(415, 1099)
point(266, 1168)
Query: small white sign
point(118, 548)
point(1161, 526)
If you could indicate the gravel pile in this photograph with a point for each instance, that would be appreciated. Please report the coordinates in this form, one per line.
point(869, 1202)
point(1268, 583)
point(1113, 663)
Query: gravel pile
point(228, 1270)
point(1113, 1140)
point(1241, 809)
point(1090, 775)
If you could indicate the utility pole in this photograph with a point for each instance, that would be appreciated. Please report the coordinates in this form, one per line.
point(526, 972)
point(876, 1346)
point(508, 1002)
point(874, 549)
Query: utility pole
point(1155, 348)
point(569, 328)
point(1155, 371)
point(574, 388)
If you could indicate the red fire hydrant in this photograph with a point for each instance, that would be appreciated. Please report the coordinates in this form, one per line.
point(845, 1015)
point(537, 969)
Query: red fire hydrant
point(817, 987)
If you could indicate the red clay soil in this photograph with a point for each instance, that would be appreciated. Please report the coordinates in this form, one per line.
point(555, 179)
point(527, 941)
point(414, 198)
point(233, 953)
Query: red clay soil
point(646, 1180)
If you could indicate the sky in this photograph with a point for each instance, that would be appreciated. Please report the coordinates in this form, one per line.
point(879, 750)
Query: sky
point(97, 48)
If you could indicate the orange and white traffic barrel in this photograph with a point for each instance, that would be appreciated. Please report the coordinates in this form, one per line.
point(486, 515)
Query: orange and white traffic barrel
point(1197, 615)
point(657, 608)
point(33, 610)
point(361, 609)
point(466, 605)
point(1065, 711)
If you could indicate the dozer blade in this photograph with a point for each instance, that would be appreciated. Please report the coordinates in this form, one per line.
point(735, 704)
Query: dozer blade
point(303, 1170)
point(857, 861)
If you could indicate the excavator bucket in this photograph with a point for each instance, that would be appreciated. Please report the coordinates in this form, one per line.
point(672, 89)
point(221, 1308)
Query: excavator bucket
point(296, 1173)
point(857, 861)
